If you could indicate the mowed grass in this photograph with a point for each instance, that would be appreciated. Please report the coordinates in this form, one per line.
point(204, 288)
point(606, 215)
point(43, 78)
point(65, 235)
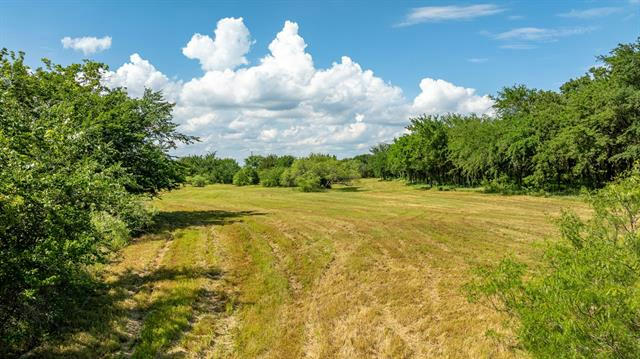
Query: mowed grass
point(374, 270)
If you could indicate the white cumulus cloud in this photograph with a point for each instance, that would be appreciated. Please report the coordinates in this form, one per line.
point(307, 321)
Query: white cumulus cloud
point(284, 103)
point(88, 45)
point(439, 96)
point(228, 49)
point(139, 74)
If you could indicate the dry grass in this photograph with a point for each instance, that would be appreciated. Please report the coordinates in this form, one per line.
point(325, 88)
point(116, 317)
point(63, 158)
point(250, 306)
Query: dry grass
point(271, 272)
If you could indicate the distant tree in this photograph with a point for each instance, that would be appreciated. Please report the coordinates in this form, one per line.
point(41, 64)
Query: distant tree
point(326, 168)
point(582, 136)
point(254, 161)
point(270, 177)
point(198, 181)
point(364, 165)
point(212, 168)
point(246, 176)
point(379, 161)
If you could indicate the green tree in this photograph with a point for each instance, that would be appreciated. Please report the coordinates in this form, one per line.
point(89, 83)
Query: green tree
point(209, 166)
point(73, 157)
point(585, 300)
point(246, 176)
point(379, 161)
point(270, 177)
point(326, 168)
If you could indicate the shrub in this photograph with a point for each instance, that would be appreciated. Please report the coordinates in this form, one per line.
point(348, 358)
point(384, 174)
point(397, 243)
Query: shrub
point(585, 301)
point(246, 176)
point(113, 231)
point(212, 168)
point(287, 178)
point(75, 159)
point(501, 185)
point(325, 167)
point(198, 181)
point(271, 177)
point(137, 213)
point(309, 182)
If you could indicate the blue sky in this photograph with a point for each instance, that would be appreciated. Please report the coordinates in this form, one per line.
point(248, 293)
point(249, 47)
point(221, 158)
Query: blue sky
point(467, 45)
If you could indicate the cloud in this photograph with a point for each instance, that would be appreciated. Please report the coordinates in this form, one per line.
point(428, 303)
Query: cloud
point(139, 74)
point(285, 104)
point(452, 12)
point(540, 34)
point(518, 46)
point(228, 49)
point(591, 13)
point(525, 38)
point(88, 45)
point(477, 60)
point(439, 96)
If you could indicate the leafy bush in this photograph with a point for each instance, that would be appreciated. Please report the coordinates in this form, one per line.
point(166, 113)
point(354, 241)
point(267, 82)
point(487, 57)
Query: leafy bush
point(501, 185)
point(585, 301)
point(112, 230)
point(212, 168)
point(75, 159)
point(309, 182)
point(137, 213)
point(198, 181)
point(325, 167)
point(287, 178)
point(245, 177)
point(271, 177)
point(258, 162)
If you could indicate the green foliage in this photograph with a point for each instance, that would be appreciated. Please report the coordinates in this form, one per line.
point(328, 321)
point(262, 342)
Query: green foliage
point(245, 177)
point(270, 177)
point(258, 162)
point(210, 167)
point(287, 178)
point(326, 168)
point(309, 182)
point(585, 300)
point(74, 158)
point(379, 161)
point(198, 181)
point(583, 136)
point(365, 170)
point(111, 229)
point(421, 155)
point(267, 170)
point(312, 173)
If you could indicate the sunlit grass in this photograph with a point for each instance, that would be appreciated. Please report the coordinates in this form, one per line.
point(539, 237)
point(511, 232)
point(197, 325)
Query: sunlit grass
point(372, 271)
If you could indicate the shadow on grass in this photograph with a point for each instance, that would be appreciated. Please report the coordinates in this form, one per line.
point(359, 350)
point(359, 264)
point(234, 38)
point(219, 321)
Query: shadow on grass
point(107, 325)
point(171, 220)
point(107, 319)
point(350, 189)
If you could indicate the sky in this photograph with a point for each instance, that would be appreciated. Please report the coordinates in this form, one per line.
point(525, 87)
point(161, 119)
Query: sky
point(319, 76)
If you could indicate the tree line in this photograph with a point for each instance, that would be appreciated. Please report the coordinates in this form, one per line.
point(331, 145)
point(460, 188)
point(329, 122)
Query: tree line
point(584, 135)
point(313, 173)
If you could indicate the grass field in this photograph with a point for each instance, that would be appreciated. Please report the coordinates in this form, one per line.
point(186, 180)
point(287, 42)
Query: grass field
point(373, 270)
